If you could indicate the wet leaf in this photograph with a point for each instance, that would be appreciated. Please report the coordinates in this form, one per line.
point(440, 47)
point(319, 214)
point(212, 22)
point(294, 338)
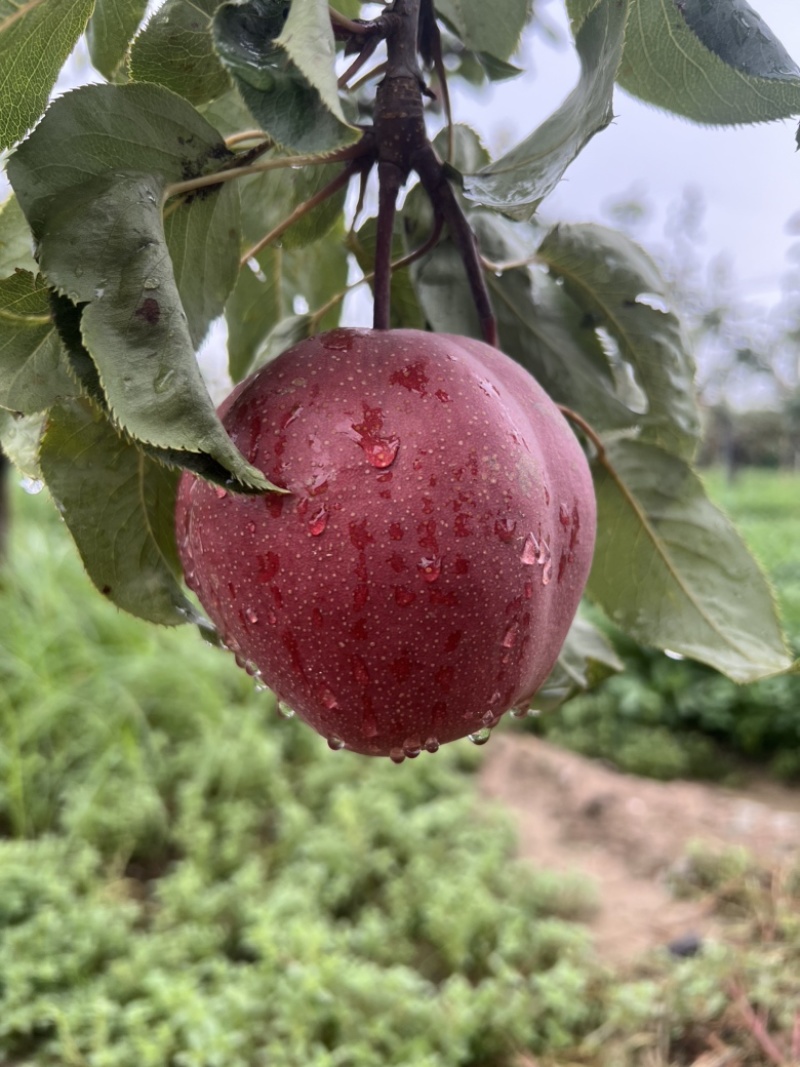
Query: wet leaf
point(103, 246)
point(480, 29)
point(618, 287)
point(203, 241)
point(713, 63)
point(110, 31)
point(671, 570)
point(176, 50)
point(517, 182)
point(284, 69)
point(33, 371)
point(35, 39)
point(119, 507)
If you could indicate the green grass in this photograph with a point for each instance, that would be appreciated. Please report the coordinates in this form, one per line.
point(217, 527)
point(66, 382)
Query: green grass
point(186, 880)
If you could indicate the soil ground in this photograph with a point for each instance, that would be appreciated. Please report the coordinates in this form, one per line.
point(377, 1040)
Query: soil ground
point(626, 834)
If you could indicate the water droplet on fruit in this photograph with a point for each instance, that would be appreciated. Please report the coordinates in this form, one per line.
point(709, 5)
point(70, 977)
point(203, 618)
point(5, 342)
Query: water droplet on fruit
point(221, 493)
point(563, 515)
point(403, 596)
point(430, 567)
point(489, 717)
point(431, 745)
point(396, 755)
point(360, 672)
point(530, 550)
point(547, 572)
point(251, 527)
point(369, 724)
point(150, 283)
point(380, 452)
point(251, 616)
point(519, 713)
point(528, 590)
point(480, 737)
point(504, 528)
point(412, 747)
point(335, 744)
point(328, 699)
point(284, 710)
point(510, 636)
point(318, 522)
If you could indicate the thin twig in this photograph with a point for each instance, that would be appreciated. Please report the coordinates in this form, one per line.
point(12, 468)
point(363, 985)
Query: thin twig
point(276, 232)
point(206, 180)
point(582, 424)
point(362, 57)
point(248, 135)
point(512, 264)
point(361, 29)
point(376, 72)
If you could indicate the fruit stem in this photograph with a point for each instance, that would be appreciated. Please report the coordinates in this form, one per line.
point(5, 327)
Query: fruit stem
point(398, 264)
point(390, 179)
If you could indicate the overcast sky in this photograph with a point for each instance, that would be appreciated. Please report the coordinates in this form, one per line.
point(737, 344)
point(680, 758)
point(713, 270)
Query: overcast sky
point(749, 176)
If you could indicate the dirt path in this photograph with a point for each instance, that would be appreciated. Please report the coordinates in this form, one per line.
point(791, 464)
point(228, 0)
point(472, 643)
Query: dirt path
point(625, 833)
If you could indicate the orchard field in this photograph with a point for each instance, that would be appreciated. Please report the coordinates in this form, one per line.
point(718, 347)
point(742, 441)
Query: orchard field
point(187, 879)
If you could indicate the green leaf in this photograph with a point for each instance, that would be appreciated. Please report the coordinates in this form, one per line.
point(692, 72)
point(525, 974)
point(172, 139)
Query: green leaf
point(102, 244)
point(110, 31)
point(539, 324)
point(586, 659)
point(261, 300)
point(19, 440)
point(36, 36)
point(119, 507)
point(270, 197)
point(104, 248)
point(285, 334)
point(482, 28)
point(671, 570)
point(16, 242)
point(517, 182)
point(33, 372)
point(713, 63)
point(176, 50)
point(203, 241)
point(285, 73)
point(619, 287)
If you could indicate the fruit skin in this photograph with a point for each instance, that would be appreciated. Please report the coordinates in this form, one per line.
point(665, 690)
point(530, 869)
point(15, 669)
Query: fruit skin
point(419, 578)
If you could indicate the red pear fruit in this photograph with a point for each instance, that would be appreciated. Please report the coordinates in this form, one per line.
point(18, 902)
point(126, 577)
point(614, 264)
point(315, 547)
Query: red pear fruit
point(420, 575)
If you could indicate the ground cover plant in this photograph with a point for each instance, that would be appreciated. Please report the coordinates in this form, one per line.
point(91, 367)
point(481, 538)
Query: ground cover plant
point(669, 718)
point(187, 879)
point(207, 177)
